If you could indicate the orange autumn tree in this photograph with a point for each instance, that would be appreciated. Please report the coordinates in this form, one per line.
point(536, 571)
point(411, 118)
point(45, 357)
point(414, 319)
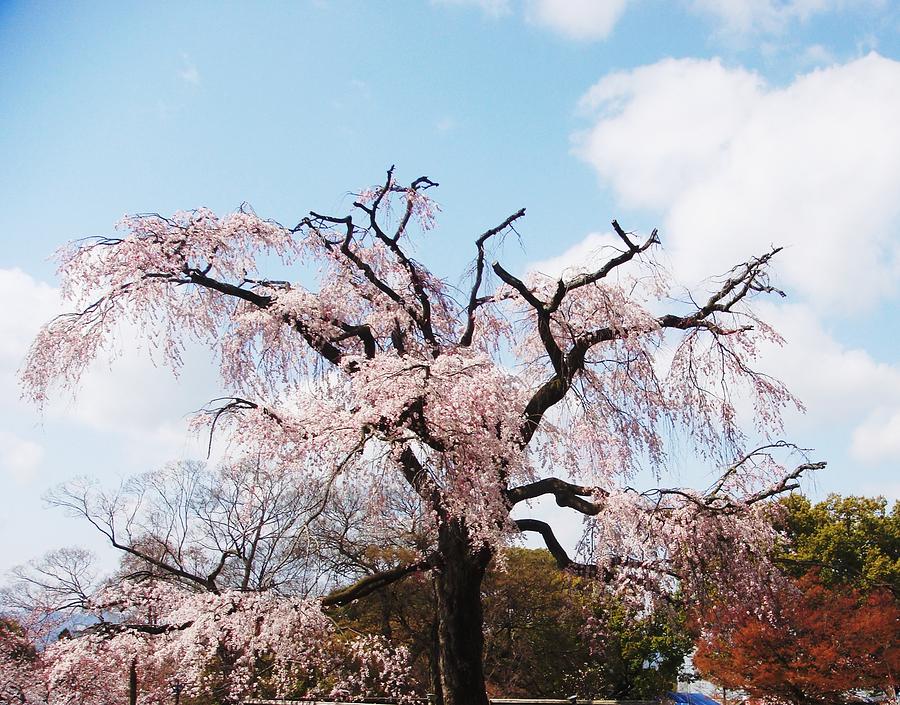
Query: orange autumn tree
point(808, 644)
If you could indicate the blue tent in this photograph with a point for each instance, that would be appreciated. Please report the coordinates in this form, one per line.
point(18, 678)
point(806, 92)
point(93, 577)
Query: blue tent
point(691, 699)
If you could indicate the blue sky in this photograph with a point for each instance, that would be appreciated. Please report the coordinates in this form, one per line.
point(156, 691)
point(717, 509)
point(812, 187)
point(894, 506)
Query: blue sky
point(730, 125)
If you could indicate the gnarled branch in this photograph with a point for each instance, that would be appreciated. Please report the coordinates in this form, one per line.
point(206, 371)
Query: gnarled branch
point(371, 583)
point(567, 494)
point(563, 562)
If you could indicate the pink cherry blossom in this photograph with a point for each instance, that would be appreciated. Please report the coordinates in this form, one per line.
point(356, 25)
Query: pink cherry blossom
point(475, 401)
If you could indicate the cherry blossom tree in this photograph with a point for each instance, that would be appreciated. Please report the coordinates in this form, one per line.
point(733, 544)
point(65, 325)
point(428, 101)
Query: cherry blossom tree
point(211, 559)
point(139, 636)
point(519, 388)
point(225, 646)
point(22, 677)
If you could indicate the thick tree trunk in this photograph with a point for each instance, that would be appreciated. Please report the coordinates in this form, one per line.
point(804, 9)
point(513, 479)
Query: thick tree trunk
point(132, 683)
point(460, 639)
point(435, 697)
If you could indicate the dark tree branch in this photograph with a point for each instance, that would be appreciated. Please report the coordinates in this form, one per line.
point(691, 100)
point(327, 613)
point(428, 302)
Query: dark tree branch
point(423, 320)
point(109, 629)
point(423, 183)
point(519, 286)
point(746, 278)
point(785, 484)
point(80, 505)
point(419, 479)
point(207, 583)
point(566, 494)
point(363, 332)
point(715, 500)
point(474, 301)
point(325, 348)
point(543, 316)
point(371, 583)
point(583, 570)
point(633, 250)
point(563, 562)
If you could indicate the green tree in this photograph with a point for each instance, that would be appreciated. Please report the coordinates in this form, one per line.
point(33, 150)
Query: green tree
point(638, 657)
point(533, 619)
point(536, 640)
point(850, 540)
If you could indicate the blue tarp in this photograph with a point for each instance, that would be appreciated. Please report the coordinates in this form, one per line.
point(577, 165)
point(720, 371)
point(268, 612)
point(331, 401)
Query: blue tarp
point(691, 699)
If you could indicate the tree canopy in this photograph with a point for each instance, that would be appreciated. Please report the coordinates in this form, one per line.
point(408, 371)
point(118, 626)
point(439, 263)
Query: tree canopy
point(383, 375)
point(830, 622)
point(848, 540)
point(807, 644)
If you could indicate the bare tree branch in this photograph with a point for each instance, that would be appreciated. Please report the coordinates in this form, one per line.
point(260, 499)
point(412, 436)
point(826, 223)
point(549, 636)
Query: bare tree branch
point(474, 301)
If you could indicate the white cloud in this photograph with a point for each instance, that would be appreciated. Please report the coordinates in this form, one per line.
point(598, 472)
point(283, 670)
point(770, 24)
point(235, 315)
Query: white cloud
point(577, 19)
point(131, 398)
point(35, 302)
point(585, 255)
point(839, 384)
point(740, 16)
point(734, 166)
point(665, 125)
point(19, 457)
point(130, 395)
point(878, 438)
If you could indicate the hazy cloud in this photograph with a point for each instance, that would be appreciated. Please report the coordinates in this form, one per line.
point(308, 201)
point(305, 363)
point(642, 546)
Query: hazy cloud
point(491, 8)
point(747, 16)
point(878, 438)
point(576, 19)
point(19, 457)
point(189, 72)
point(585, 20)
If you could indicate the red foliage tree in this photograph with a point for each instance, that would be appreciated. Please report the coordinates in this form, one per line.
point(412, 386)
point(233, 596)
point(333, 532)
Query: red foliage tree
point(806, 644)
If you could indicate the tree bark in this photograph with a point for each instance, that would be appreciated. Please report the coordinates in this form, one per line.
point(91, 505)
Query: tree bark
point(435, 696)
point(460, 638)
point(132, 683)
